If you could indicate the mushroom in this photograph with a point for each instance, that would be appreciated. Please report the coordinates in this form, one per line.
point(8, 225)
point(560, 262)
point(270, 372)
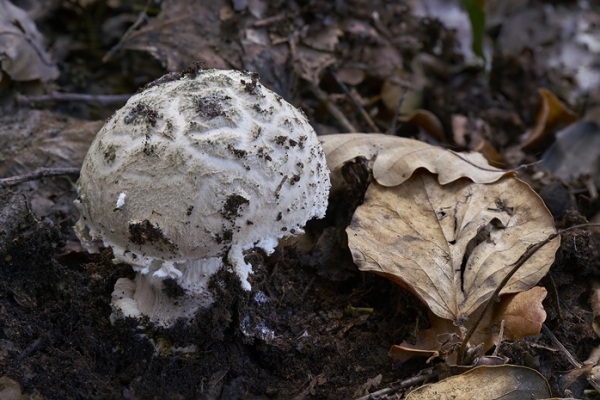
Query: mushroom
point(194, 170)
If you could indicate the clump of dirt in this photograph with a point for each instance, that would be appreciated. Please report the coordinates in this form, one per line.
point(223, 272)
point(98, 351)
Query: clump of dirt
point(293, 327)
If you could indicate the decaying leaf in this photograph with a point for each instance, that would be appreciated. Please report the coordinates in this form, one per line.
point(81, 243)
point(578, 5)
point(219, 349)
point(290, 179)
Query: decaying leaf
point(506, 382)
point(184, 32)
point(31, 139)
point(392, 92)
point(395, 159)
point(452, 244)
point(595, 301)
point(425, 121)
point(552, 115)
point(576, 152)
point(471, 133)
point(310, 63)
point(22, 55)
point(439, 340)
point(522, 313)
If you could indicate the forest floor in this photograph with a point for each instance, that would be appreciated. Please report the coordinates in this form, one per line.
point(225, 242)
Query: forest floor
point(331, 326)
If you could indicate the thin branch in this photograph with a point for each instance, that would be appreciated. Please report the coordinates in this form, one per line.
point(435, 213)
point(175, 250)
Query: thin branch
point(103, 99)
point(31, 348)
point(141, 17)
point(37, 174)
point(526, 256)
point(275, 18)
point(397, 113)
point(356, 103)
point(430, 374)
point(574, 362)
point(332, 108)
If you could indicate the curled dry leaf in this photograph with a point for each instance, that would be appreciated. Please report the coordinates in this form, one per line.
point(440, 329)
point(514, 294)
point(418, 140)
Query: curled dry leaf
point(451, 245)
point(395, 159)
point(22, 54)
point(438, 340)
point(523, 315)
point(472, 133)
point(552, 115)
point(506, 382)
point(575, 152)
point(425, 121)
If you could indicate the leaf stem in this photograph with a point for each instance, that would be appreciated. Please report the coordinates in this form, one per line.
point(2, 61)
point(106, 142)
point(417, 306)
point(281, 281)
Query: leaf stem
point(526, 256)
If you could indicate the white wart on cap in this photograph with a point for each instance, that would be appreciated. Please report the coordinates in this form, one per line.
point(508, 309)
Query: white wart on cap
point(192, 170)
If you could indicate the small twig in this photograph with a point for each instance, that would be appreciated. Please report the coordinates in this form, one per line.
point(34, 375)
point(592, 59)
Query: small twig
point(141, 17)
point(430, 374)
point(356, 103)
point(275, 18)
point(59, 96)
point(562, 348)
point(31, 349)
point(500, 337)
point(574, 362)
point(397, 113)
point(37, 174)
point(332, 108)
point(526, 256)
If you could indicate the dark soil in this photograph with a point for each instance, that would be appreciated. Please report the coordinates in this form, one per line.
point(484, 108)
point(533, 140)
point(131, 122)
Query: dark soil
point(313, 326)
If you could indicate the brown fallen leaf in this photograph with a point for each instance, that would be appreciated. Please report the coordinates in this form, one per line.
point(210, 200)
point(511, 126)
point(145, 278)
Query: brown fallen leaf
point(523, 315)
point(506, 382)
point(185, 31)
point(439, 340)
point(471, 134)
point(452, 244)
point(310, 64)
point(575, 153)
point(395, 159)
point(392, 92)
point(552, 115)
point(426, 121)
point(22, 53)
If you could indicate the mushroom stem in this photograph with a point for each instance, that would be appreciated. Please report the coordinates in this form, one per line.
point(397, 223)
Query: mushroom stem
point(149, 294)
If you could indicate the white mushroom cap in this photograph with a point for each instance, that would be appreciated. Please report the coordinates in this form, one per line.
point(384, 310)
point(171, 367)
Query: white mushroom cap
point(201, 166)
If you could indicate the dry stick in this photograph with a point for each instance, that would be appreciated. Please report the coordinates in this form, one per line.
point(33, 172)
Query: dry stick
point(125, 36)
point(404, 384)
point(526, 256)
point(397, 113)
point(31, 348)
point(356, 103)
point(275, 18)
point(562, 348)
point(332, 108)
point(574, 362)
point(59, 96)
point(37, 174)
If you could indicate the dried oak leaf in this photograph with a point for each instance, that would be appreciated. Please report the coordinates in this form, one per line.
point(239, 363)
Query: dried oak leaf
point(395, 159)
point(451, 244)
point(506, 382)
